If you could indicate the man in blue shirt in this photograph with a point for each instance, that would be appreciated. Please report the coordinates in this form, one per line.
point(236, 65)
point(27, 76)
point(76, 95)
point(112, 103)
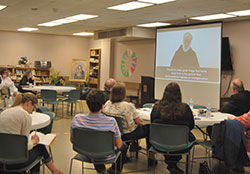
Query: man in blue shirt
point(96, 120)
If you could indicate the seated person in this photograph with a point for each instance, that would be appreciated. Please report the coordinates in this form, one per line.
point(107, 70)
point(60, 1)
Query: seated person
point(5, 81)
point(171, 110)
point(133, 128)
point(240, 100)
point(17, 120)
point(27, 79)
point(107, 88)
point(97, 121)
point(245, 121)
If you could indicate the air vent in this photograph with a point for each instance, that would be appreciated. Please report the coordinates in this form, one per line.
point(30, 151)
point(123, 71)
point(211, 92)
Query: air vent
point(132, 32)
point(113, 33)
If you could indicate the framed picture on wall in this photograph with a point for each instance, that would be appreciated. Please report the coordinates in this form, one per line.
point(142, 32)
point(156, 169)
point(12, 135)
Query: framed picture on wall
point(79, 70)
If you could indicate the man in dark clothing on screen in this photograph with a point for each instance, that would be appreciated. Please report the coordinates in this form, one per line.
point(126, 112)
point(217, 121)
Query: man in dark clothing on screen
point(239, 102)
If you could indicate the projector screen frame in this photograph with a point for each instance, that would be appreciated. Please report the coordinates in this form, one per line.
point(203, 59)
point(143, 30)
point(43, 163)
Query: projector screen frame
point(187, 25)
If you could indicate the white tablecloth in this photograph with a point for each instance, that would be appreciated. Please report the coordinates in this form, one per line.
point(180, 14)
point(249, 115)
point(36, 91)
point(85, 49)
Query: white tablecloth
point(201, 121)
point(58, 89)
point(39, 120)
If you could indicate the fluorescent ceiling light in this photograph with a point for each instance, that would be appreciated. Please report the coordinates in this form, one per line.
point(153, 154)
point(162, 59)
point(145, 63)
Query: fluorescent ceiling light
point(240, 13)
point(66, 20)
point(130, 6)
point(49, 24)
point(154, 24)
point(157, 1)
point(2, 7)
point(82, 17)
point(27, 29)
point(83, 34)
point(212, 17)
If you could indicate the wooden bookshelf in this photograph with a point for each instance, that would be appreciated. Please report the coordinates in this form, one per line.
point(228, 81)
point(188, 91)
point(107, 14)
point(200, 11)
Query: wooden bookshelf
point(41, 74)
point(94, 68)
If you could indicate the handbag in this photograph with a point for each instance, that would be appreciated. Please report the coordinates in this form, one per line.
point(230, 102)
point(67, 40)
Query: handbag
point(204, 169)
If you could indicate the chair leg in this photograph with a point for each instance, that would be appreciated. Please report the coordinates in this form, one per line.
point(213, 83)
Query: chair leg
point(192, 159)
point(62, 109)
point(50, 151)
point(71, 109)
point(71, 163)
point(187, 161)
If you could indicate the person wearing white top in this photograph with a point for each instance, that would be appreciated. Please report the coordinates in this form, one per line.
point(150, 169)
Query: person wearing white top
point(17, 120)
point(5, 81)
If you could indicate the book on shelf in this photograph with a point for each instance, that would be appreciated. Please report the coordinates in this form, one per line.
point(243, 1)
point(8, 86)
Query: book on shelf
point(45, 139)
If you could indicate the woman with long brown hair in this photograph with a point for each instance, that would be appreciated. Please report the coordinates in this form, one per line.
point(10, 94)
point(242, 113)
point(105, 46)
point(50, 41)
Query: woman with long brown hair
point(171, 110)
point(27, 79)
point(17, 120)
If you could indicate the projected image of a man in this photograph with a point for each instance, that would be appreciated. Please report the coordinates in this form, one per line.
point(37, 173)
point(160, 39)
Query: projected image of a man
point(185, 55)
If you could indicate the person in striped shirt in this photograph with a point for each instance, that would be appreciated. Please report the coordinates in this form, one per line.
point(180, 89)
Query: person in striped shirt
point(96, 120)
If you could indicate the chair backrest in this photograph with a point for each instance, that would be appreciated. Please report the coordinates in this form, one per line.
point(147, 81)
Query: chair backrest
point(48, 95)
point(148, 105)
point(42, 108)
point(48, 129)
point(215, 132)
point(75, 94)
point(118, 120)
point(93, 143)
point(13, 148)
point(167, 138)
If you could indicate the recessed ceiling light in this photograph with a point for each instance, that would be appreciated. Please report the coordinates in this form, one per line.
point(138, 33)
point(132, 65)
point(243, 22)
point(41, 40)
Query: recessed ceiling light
point(27, 29)
point(82, 17)
point(49, 24)
point(212, 17)
point(240, 13)
point(157, 1)
point(154, 24)
point(130, 6)
point(66, 20)
point(83, 34)
point(2, 7)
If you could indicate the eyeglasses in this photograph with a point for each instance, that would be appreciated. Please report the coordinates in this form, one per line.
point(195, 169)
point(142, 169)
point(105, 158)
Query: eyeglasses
point(34, 107)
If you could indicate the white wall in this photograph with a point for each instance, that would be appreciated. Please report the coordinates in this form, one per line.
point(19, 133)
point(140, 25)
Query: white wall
point(60, 50)
point(145, 53)
point(239, 37)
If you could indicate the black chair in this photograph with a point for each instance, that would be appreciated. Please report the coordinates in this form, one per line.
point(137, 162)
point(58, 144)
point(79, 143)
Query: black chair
point(208, 144)
point(169, 139)
point(91, 145)
point(13, 150)
point(73, 98)
point(50, 97)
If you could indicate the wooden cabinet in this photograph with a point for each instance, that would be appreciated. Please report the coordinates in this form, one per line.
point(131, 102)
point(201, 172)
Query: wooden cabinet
point(41, 74)
point(94, 68)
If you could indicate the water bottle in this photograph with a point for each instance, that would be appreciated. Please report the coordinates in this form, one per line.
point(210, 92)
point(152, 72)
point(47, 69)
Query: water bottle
point(34, 83)
point(10, 102)
point(208, 113)
point(191, 103)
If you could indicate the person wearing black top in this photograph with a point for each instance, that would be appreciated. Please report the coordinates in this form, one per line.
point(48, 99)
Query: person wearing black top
point(171, 110)
point(26, 80)
point(239, 102)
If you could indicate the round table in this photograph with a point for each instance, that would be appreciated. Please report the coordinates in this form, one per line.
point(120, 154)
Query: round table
point(201, 121)
point(58, 89)
point(39, 120)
